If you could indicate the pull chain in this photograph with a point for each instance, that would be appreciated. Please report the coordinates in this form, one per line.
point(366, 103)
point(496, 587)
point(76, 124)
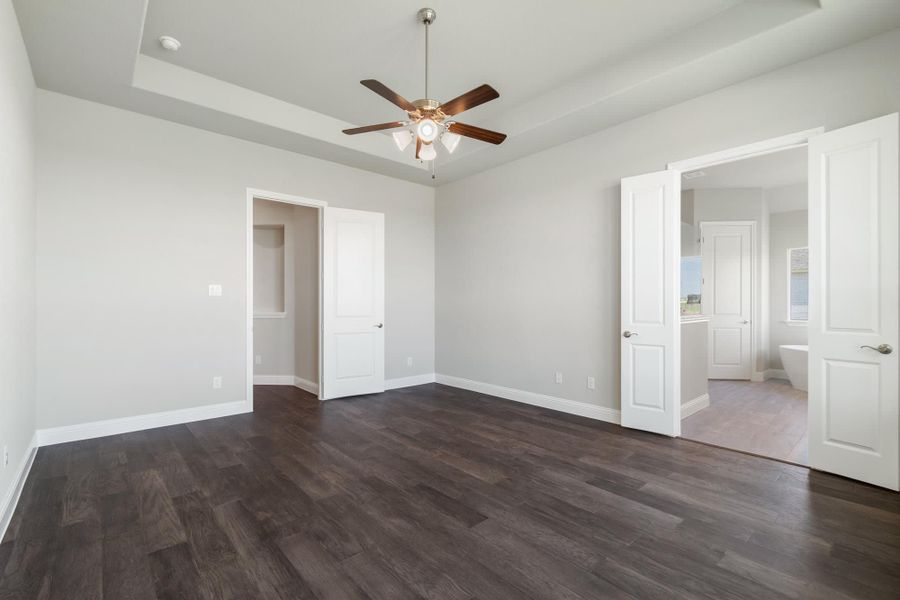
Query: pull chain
point(426, 59)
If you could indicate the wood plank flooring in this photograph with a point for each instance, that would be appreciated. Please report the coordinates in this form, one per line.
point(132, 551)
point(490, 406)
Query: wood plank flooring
point(766, 418)
point(439, 494)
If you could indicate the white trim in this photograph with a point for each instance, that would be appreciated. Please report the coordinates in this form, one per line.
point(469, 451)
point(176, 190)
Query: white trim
point(402, 382)
point(273, 380)
point(305, 385)
point(784, 142)
point(694, 406)
point(274, 315)
point(319, 205)
point(776, 374)
point(17, 484)
point(592, 411)
point(86, 431)
point(760, 376)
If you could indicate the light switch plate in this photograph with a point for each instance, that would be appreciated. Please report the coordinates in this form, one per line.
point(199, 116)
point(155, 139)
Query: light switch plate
point(558, 377)
point(217, 383)
point(215, 289)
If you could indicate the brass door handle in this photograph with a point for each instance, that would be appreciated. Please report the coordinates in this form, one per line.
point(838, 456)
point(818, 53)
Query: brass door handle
point(882, 348)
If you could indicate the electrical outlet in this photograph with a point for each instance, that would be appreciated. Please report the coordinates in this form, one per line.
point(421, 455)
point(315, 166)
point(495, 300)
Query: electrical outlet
point(5, 457)
point(217, 383)
point(558, 377)
point(409, 361)
point(591, 383)
point(215, 289)
point(258, 359)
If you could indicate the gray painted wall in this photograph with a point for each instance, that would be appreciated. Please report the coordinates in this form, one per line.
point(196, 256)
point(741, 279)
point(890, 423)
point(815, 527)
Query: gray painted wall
point(136, 216)
point(528, 252)
point(17, 249)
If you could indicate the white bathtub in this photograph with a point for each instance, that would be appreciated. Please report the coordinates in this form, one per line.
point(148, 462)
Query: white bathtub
point(796, 364)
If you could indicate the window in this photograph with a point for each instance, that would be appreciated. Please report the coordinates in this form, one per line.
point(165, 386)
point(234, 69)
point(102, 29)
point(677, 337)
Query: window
point(691, 284)
point(798, 284)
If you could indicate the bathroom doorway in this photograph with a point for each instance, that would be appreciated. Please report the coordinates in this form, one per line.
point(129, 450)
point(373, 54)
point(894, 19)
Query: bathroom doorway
point(744, 305)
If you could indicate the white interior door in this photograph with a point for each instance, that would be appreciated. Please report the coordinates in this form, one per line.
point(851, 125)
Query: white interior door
point(352, 303)
point(853, 305)
point(651, 238)
point(726, 251)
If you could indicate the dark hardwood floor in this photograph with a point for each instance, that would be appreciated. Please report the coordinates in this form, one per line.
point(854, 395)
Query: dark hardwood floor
point(436, 493)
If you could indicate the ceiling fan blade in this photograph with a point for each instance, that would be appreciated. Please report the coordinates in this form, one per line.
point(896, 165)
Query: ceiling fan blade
point(418, 146)
point(389, 94)
point(485, 135)
point(379, 127)
point(471, 99)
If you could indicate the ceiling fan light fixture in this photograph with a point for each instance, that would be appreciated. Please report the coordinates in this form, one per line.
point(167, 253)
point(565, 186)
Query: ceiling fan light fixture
point(427, 130)
point(403, 139)
point(450, 141)
point(428, 152)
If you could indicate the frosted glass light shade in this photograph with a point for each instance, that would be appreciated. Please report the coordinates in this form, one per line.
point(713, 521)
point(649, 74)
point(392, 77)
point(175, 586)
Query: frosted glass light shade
point(427, 130)
point(450, 141)
point(428, 152)
point(403, 139)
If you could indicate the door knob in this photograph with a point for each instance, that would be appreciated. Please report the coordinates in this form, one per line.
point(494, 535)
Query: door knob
point(883, 348)
point(379, 326)
point(745, 322)
point(628, 334)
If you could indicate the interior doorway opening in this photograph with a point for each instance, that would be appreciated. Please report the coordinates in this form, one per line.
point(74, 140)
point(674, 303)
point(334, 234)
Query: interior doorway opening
point(286, 294)
point(744, 305)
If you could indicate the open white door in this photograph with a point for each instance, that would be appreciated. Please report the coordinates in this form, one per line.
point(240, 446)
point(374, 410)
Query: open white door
point(853, 305)
point(352, 303)
point(651, 238)
point(727, 297)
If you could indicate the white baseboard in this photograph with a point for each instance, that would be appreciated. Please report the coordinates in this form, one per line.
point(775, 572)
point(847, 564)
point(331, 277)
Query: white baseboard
point(273, 380)
point(401, 382)
point(776, 374)
point(768, 374)
point(601, 413)
point(11, 499)
point(306, 385)
point(694, 406)
point(85, 431)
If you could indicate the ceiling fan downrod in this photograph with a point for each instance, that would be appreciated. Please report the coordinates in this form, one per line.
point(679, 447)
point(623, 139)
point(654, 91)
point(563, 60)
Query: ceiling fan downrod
point(427, 16)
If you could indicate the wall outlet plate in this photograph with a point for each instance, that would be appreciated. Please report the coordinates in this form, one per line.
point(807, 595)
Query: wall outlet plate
point(409, 361)
point(5, 456)
point(558, 377)
point(258, 359)
point(217, 383)
point(591, 383)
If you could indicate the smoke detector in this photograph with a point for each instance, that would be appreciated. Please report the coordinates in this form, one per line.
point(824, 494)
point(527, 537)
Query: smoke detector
point(169, 43)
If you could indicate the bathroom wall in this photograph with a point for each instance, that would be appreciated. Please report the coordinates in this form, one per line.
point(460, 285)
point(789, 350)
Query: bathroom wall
point(694, 363)
point(786, 230)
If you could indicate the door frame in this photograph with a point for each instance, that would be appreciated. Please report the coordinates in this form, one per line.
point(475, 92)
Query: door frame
point(319, 205)
point(736, 153)
point(755, 302)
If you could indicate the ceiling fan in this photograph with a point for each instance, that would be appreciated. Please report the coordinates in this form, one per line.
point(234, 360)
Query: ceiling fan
point(429, 120)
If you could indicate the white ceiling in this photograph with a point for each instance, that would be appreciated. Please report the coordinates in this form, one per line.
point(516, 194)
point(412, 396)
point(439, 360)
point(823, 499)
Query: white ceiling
point(772, 170)
point(285, 72)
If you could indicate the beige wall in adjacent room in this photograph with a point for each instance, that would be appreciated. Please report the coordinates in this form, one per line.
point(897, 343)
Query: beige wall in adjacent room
point(786, 230)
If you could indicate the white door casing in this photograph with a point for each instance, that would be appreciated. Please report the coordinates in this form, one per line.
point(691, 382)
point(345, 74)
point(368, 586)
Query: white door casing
point(352, 303)
point(854, 426)
point(727, 299)
point(651, 238)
